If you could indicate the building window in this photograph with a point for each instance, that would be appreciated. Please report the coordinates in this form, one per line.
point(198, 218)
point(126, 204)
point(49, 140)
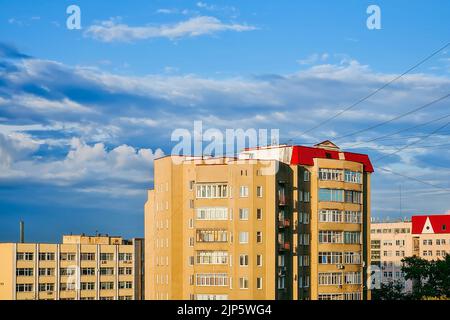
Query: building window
point(330, 236)
point(352, 217)
point(330, 257)
point(353, 176)
point(243, 214)
point(212, 257)
point(67, 286)
point(191, 223)
point(46, 271)
point(330, 174)
point(352, 278)
point(243, 192)
point(243, 283)
point(125, 285)
point(259, 237)
point(212, 213)
point(330, 278)
point(331, 195)
point(87, 256)
point(259, 191)
point(243, 260)
point(211, 235)
point(259, 260)
point(125, 256)
point(351, 237)
point(44, 287)
point(305, 218)
point(87, 271)
point(191, 185)
point(106, 271)
point(67, 256)
point(25, 272)
point(46, 256)
point(306, 196)
point(259, 214)
point(353, 196)
point(211, 191)
point(330, 216)
point(87, 285)
point(243, 237)
point(125, 271)
point(67, 271)
point(259, 283)
point(281, 261)
point(281, 283)
point(106, 285)
point(24, 287)
point(27, 256)
point(211, 279)
point(306, 175)
point(106, 256)
point(352, 258)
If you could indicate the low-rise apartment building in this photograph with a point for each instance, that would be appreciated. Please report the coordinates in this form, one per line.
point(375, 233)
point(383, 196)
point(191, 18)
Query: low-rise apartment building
point(424, 236)
point(80, 268)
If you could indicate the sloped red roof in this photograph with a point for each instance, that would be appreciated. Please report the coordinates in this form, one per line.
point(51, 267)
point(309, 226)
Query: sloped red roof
point(305, 156)
point(439, 222)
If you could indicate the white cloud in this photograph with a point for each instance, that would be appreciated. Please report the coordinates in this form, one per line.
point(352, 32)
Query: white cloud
point(140, 121)
point(40, 104)
point(93, 165)
point(314, 58)
point(112, 30)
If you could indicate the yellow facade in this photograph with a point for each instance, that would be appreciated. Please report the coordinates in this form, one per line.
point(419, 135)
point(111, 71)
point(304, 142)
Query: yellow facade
point(81, 268)
point(261, 239)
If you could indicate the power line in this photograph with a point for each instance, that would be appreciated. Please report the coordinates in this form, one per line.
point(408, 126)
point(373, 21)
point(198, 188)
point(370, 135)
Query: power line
point(395, 118)
point(437, 146)
point(376, 91)
point(412, 178)
point(400, 131)
point(412, 143)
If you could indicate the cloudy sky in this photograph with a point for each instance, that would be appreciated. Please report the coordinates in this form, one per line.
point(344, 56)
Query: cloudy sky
point(83, 113)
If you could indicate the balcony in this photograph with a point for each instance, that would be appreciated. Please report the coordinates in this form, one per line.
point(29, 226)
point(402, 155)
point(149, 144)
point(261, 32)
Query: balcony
point(282, 201)
point(281, 271)
point(284, 223)
point(284, 246)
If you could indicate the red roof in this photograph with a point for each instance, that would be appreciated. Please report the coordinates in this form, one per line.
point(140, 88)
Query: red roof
point(439, 223)
point(305, 156)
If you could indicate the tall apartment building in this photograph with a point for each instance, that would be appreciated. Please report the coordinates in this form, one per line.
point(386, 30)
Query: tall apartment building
point(425, 236)
point(81, 268)
point(279, 222)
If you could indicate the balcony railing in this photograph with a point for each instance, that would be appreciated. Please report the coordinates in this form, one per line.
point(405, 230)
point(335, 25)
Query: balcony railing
point(284, 223)
point(284, 246)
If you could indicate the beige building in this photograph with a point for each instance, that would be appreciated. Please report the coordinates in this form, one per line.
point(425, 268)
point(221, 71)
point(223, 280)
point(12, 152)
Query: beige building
point(280, 222)
point(390, 243)
point(81, 268)
point(425, 236)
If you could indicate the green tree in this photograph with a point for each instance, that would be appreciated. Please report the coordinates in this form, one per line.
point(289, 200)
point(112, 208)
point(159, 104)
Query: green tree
point(392, 290)
point(431, 279)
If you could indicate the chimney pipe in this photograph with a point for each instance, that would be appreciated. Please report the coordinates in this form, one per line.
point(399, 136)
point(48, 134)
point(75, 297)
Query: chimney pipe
point(22, 231)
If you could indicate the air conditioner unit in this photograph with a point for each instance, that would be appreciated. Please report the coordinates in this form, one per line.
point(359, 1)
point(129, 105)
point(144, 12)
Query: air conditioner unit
point(340, 266)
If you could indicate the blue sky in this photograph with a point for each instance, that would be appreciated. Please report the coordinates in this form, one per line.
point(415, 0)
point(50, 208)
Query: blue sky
point(83, 113)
